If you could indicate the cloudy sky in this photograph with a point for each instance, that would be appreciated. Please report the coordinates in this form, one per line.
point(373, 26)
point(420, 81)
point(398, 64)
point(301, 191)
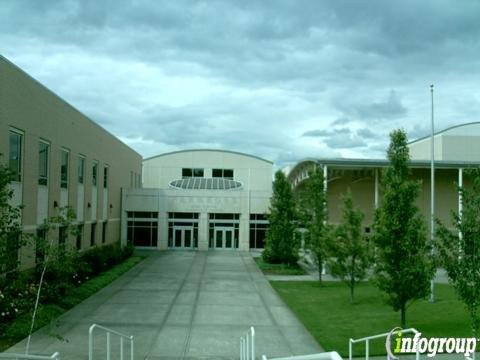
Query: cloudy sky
point(279, 79)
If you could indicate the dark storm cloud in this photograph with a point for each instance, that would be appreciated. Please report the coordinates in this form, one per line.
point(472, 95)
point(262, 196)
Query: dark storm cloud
point(327, 132)
point(390, 108)
point(253, 75)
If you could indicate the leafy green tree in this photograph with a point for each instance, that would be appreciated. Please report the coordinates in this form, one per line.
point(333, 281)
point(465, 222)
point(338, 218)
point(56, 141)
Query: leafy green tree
point(460, 255)
point(10, 225)
point(404, 266)
point(313, 213)
point(350, 251)
point(281, 244)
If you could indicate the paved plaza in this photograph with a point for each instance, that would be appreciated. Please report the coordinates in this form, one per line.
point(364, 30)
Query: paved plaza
point(182, 305)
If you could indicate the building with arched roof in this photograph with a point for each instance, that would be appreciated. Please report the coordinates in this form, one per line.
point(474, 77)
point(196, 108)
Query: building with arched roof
point(456, 148)
point(199, 199)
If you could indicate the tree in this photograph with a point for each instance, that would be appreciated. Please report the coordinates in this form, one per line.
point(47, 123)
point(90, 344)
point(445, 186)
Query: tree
point(350, 250)
point(404, 266)
point(460, 252)
point(281, 244)
point(10, 225)
point(313, 210)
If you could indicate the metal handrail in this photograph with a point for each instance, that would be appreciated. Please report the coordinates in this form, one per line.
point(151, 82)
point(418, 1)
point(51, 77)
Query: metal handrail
point(332, 355)
point(54, 356)
point(247, 345)
point(108, 332)
point(378, 336)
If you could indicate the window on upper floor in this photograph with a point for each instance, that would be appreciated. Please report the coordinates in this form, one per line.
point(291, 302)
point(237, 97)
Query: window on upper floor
point(81, 169)
point(64, 169)
point(192, 172)
point(15, 155)
point(94, 173)
point(105, 177)
point(43, 163)
point(223, 173)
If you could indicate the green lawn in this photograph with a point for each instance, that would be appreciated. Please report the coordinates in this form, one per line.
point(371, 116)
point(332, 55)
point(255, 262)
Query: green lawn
point(327, 313)
point(20, 327)
point(278, 269)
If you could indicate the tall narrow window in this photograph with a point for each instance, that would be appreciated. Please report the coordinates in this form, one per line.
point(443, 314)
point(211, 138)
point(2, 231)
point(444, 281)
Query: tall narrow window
point(94, 173)
point(79, 237)
point(81, 170)
point(64, 170)
point(15, 155)
point(93, 230)
point(104, 232)
point(43, 163)
point(62, 238)
point(105, 177)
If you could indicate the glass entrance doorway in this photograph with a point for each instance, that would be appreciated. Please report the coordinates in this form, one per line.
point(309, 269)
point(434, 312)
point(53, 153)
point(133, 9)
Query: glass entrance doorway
point(224, 238)
point(182, 237)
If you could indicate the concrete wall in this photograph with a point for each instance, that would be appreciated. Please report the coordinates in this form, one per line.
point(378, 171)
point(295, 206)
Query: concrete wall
point(29, 107)
point(157, 195)
point(254, 173)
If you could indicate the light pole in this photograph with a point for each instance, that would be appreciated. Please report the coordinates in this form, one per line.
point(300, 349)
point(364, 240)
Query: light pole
point(432, 197)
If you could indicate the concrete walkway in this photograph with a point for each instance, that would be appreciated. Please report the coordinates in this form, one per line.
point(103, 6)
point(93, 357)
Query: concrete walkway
point(182, 305)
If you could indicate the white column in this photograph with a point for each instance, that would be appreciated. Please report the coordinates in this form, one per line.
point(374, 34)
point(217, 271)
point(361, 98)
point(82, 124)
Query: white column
point(162, 232)
point(203, 232)
point(376, 188)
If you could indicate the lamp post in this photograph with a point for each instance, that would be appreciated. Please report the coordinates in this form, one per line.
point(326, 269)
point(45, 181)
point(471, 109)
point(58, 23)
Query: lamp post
point(432, 196)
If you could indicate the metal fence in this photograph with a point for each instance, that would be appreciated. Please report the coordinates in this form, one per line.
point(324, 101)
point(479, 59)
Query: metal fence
point(247, 345)
point(109, 332)
point(12, 356)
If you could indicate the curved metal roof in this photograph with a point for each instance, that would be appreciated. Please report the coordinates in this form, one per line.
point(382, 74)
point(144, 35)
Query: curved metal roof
point(444, 131)
point(214, 150)
point(206, 184)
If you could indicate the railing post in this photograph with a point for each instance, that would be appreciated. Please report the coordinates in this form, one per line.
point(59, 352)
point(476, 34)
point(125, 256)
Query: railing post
point(367, 350)
point(121, 348)
point(247, 341)
point(108, 345)
point(90, 342)
point(350, 343)
point(131, 348)
point(241, 348)
point(252, 331)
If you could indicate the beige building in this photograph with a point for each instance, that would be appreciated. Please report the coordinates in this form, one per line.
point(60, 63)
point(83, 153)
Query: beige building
point(199, 199)
point(456, 148)
point(61, 158)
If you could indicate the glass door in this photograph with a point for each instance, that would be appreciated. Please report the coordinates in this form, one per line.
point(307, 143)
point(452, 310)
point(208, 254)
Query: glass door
point(182, 237)
point(224, 238)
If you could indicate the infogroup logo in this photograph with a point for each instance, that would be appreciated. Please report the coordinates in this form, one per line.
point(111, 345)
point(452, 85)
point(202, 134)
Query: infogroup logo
point(396, 344)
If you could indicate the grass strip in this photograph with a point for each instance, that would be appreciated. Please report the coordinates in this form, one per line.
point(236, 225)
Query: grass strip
point(327, 313)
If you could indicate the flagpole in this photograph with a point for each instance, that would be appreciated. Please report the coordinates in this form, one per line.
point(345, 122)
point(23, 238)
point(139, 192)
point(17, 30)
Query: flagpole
point(432, 196)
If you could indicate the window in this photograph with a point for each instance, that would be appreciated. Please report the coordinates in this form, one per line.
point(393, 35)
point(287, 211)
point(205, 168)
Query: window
point(223, 173)
point(105, 177)
point(62, 238)
point(258, 230)
point(93, 229)
point(40, 245)
point(81, 169)
point(188, 173)
point(94, 173)
point(104, 232)
point(43, 163)
point(142, 228)
point(64, 170)
point(15, 155)
point(79, 237)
